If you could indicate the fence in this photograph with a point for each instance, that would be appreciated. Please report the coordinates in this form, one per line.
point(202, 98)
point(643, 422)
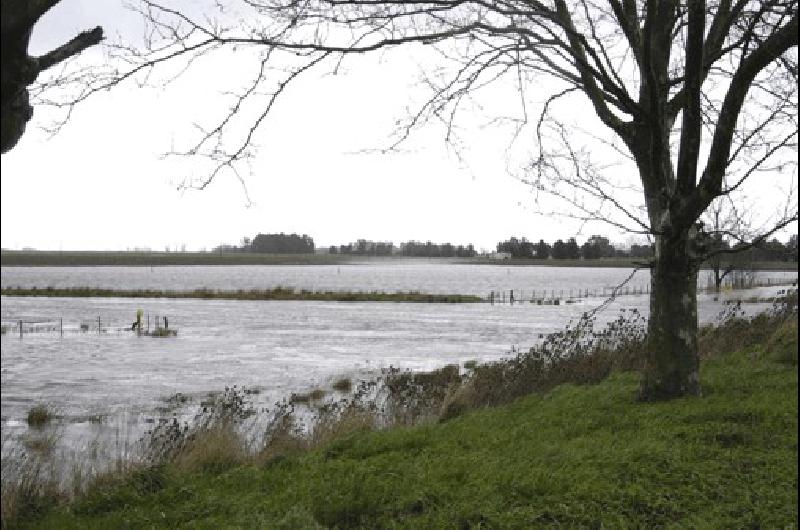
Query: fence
point(568, 296)
point(55, 325)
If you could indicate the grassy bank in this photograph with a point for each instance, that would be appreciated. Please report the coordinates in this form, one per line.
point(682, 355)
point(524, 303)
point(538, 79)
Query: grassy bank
point(568, 455)
point(279, 293)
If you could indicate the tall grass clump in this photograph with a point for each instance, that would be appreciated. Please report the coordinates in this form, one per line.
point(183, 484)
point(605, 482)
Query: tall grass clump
point(214, 441)
point(342, 385)
point(30, 486)
point(39, 415)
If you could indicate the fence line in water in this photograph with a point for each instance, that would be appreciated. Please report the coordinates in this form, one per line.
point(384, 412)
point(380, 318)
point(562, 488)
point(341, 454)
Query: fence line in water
point(27, 325)
point(558, 296)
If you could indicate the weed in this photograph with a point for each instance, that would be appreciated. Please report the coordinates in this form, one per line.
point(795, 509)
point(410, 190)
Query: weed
point(39, 415)
point(30, 488)
point(342, 385)
point(315, 395)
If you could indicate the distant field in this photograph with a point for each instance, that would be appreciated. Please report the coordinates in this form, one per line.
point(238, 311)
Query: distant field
point(44, 258)
point(50, 258)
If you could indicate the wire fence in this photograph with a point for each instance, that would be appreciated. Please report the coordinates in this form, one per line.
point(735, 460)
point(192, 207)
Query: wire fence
point(26, 325)
point(568, 296)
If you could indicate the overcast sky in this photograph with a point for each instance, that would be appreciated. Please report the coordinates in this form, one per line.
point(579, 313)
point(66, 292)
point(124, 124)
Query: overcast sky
point(100, 183)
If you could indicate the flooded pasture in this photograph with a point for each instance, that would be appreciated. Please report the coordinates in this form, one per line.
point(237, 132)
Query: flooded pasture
point(114, 380)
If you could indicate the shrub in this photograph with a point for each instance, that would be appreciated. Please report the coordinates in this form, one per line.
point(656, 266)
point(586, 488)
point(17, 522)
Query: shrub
point(579, 355)
point(39, 415)
point(315, 395)
point(343, 385)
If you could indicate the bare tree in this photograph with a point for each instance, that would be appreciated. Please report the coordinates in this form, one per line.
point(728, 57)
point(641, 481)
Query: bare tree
point(725, 236)
point(20, 70)
point(699, 97)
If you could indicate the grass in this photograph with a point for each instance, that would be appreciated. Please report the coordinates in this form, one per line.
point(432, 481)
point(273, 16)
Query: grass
point(278, 293)
point(342, 385)
point(39, 415)
point(315, 395)
point(571, 455)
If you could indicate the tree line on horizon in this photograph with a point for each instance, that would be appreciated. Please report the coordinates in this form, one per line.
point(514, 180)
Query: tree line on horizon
point(597, 247)
point(428, 249)
point(273, 244)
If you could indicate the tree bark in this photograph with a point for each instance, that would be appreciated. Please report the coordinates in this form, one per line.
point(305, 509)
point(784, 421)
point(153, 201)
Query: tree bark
point(18, 70)
point(672, 363)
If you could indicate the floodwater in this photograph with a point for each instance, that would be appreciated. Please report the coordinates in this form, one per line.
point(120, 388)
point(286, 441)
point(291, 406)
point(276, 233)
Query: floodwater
point(412, 275)
point(277, 347)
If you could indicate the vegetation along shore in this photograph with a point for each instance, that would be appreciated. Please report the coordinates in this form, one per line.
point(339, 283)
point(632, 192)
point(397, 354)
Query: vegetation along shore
point(553, 437)
point(278, 293)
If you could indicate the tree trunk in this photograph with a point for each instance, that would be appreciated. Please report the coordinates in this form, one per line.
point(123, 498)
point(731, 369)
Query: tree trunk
point(672, 363)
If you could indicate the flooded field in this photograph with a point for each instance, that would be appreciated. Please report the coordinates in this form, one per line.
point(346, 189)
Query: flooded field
point(421, 276)
point(98, 381)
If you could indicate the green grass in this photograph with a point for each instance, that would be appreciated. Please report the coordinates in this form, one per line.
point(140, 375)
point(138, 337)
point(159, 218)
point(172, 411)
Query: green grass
point(576, 456)
point(279, 293)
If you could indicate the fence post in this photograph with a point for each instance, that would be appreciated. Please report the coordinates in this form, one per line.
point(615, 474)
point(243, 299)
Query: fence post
point(98, 325)
point(61, 325)
point(20, 329)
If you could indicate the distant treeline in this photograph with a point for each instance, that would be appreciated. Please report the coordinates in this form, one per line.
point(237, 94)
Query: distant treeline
point(772, 250)
point(273, 244)
point(597, 247)
point(363, 247)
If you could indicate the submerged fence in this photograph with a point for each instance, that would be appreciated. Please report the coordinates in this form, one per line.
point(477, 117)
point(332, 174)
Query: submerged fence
point(27, 325)
point(568, 296)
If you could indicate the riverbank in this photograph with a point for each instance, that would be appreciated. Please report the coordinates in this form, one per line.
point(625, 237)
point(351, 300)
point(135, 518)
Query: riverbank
point(279, 293)
point(570, 455)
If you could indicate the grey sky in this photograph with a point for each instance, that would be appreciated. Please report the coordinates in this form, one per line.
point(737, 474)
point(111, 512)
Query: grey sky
point(99, 184)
